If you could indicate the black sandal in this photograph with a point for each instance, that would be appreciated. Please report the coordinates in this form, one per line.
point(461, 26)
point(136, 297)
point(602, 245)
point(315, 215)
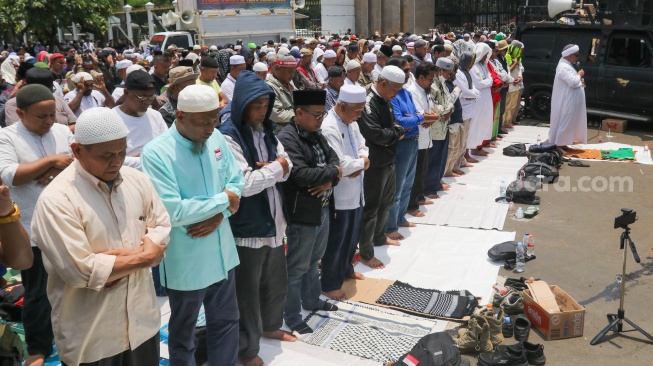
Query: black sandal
point(578, 163)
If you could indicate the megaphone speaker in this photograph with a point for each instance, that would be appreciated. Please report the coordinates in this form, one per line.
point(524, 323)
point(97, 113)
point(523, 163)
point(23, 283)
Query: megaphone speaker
point(187, 17)
point(556, 7)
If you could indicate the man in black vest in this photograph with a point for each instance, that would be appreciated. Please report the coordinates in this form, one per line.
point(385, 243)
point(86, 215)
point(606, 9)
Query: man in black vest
point(260, 223)
point(308, 191)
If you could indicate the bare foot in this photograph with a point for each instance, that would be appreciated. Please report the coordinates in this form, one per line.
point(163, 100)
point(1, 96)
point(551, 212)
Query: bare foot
point(453, 174)
point(280, 335)
point(254, 361)
point(470, 159)
point(335, 295)
point(407, 224)
point(460, 172)
point(373, 263)
point(478, 152)
point(425, 202)
point(394, 236)
point(508, 126)
point(35, 360)
point(491, 145)
point(393, 242)
point(445, 186)
point(357, 276)
point(433, 196)
point(416, 213)
point(468, 165)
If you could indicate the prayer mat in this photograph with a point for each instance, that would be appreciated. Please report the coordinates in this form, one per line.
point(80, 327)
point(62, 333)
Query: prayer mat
point(448, 304)
point(583, 153)
point(366, 332)
point(624, 153)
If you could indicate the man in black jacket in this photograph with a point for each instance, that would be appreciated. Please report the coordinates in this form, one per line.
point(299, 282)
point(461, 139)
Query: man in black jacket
point(381, 132)
point(307, 193)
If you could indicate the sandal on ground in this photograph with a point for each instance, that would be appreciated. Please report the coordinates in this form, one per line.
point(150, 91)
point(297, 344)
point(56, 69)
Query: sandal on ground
point(578, 163)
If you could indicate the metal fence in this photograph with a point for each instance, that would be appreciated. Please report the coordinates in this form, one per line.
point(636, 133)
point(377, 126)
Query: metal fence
point(481, 15)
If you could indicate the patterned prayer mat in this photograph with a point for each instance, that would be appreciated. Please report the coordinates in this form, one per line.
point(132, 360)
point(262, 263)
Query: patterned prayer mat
point(448, 304)
point(365, 331)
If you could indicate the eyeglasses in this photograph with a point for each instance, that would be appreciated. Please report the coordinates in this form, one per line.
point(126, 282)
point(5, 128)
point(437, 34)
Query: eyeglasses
point(149, 98)
point(318, 116)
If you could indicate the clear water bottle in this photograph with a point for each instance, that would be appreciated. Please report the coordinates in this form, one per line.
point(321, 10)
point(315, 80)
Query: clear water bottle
point(511, 206)
point(506, 327)
point(530, 247)
point(521, 259)
point(525, 238)
point(539, 139)
point(520, 213)
point(502, 188)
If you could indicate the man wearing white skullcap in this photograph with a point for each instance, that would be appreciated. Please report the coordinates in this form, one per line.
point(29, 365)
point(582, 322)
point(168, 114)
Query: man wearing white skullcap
point(369, 62)
point(377, 124)
point(568, 110)
point(261, 69)
point(353, 69)
point(88, 94)
point(343, 135)
point(200, 182)
point(322, 68)
point(236, 65)
point(33, 151)
point(101, 226)
point(122, 67)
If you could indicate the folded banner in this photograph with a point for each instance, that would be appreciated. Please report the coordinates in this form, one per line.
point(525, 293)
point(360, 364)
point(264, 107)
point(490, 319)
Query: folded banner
point(449, 304)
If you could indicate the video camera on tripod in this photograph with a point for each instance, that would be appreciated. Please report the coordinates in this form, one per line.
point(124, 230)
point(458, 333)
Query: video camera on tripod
point(627, 217)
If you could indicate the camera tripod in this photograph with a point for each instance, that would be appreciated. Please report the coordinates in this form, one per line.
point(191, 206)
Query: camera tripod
point(616, 320)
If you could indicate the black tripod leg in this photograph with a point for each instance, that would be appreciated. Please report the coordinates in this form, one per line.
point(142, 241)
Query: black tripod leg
point(605, 331)
point(639, 329)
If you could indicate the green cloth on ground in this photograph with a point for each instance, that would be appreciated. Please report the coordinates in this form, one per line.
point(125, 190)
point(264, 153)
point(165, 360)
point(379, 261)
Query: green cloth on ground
point(624, 153)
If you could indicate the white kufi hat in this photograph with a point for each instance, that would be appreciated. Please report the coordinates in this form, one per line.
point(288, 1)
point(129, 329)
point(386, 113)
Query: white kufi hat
point(198, 98)
point(97, 125)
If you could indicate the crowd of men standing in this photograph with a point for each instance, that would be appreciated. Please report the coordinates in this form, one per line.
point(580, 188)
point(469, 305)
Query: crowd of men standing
point(324, 145)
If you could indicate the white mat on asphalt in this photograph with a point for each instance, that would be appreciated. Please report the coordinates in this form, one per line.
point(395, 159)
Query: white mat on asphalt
point(640, 156)
point(442, 258)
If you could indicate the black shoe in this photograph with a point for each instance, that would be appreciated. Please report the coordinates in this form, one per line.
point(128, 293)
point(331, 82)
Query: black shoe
point(502, 132)
point(503, 356)
point(534, 352)
point(522, 327)
point(325, 306)
point(301, 328)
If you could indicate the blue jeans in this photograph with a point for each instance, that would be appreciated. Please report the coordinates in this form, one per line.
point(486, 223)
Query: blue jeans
point(306, 245)
point(437, 164)
point(222, 333)
point(405, 168)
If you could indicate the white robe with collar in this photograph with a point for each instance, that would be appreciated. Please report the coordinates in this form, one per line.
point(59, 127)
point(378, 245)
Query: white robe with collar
point(568, 111)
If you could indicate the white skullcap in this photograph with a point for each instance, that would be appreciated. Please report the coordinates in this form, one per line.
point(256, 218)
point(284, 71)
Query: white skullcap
point(270, 51)
point(197, 47)
point(318, 52)
point(396, 48)
point(444, 63)
point(192, 56)
point(133, 68)
point(283, 51)
point(569, 50)
point(446, 41)
point(393, 74)
point(376, 48)
point(264, 49)
point(238, 47)
point(410, 45)
point(352, 64)
point(137, 55)
point(345, 43)
point(352, 94)
point(369, 57)
point(213, 48)
point(493, 33)
point(285, 45)
point(330, 54)
point(485, 33)
point(82, 76)
point(370, 43)
point(97, 125)
point(198, 98)
point(466, 35)
point(123, 64)
point(378, 43)
point(236, 60)
point(259, 66)
point(294, 48)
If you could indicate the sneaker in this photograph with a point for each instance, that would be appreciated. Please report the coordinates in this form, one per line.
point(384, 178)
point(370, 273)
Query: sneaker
point(534, 352)
point(324, 306)
point(522, 327)
point(497, 299)
point(513, 303)
point(503, 356)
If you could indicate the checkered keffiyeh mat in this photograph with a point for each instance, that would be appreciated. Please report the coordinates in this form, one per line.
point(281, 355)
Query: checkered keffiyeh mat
point(365, 332)
point(448, 304)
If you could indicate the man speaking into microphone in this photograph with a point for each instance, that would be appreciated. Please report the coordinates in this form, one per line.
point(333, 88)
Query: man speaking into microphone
point(568, 113)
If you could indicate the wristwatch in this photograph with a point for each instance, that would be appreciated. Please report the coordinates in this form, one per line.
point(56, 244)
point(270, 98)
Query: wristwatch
point(13, 217)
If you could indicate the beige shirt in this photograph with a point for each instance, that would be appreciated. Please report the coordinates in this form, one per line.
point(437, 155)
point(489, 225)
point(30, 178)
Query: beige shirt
point(76, 219)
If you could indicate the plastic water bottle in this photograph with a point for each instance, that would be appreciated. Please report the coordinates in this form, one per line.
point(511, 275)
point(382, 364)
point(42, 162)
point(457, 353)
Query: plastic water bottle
point(502, 188)
point(506, 327)
point(530, 247)
point(511, 206)
point(525, 238)
point(600, 137)
point(647, 152)
point(520, 213)
point(522, 177)
point(521, 259)
point(539, 139)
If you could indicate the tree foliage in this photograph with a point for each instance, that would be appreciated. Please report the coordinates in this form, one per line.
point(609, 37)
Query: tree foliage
point(40, 18)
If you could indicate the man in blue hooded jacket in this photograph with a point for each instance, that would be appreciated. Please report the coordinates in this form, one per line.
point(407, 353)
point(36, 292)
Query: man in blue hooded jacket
point(260, 223)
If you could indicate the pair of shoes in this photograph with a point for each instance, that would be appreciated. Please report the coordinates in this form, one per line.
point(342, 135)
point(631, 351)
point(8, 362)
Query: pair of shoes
point(476, 338)
point(531, 212)
point(504, 356)
point(497, 299)
point(488, 316)
point(534, 352)
point(522, 327)
point(513, 303)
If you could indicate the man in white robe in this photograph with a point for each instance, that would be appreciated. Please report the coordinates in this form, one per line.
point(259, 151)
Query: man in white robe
point(568, 112)
point(483, 119)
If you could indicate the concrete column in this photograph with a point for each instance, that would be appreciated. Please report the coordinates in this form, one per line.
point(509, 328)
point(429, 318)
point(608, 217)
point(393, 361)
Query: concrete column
point(362, 24)
point(128, 20)
point(424, 16)
point(109, 29)
point(375, 16)
point(391, 16)
point(75, 35)
point(150, 22)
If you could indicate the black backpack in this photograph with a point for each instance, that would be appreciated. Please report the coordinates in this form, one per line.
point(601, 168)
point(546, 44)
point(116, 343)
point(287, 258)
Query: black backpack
point(11, 302)
point(543, 147)
point(553, 158)
point(550, 173)
point(437, 349)
point(515, 150)
point(520, 191)
point(503, 251)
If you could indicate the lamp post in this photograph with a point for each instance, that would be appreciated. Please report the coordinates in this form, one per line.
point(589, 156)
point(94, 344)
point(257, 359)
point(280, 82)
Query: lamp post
point(150, 22)
point(178, 23)
point(109, 29)
point(128, 20)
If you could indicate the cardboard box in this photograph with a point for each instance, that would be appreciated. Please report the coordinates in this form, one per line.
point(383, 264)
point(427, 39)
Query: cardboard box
point(614, 125)
point(569, 322)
